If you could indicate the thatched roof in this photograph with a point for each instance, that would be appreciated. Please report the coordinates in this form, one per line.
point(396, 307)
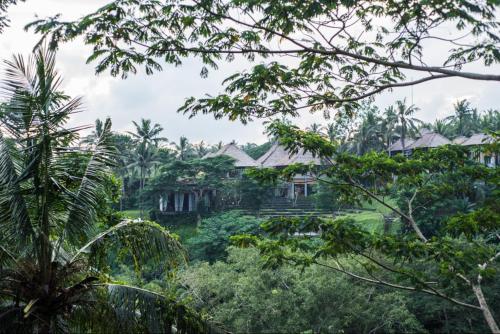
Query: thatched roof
point(429, 140)
point(477, 139)
point(231, 150)
point(459, 140)
point(278, 156)
point(398, 145)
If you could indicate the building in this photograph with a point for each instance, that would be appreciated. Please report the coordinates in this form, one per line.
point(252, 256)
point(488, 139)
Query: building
point(301, 185)
point(429, 139)
point(475, 141)
point(241, 159)
point(189, 198)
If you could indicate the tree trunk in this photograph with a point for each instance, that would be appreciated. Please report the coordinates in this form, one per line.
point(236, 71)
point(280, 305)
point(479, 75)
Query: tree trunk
point(488, 316)
point(403, 135)
point(141, 186)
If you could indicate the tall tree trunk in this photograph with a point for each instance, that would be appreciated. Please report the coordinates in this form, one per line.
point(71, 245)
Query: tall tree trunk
point(45, 246)
point(403, 135)
point(141, 186)
point(123, 194)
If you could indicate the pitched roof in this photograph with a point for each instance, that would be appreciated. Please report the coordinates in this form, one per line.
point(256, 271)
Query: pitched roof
point(459, 140)
point(231, 150)
point(398, 145)
point(429, 140)
point(477, 139)
point(278, 156)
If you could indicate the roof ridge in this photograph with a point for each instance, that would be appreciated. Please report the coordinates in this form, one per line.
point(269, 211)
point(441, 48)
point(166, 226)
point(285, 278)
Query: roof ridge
point(268, 153)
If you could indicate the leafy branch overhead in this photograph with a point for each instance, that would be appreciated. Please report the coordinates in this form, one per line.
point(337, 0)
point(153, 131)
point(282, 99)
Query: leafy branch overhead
point(315, 55)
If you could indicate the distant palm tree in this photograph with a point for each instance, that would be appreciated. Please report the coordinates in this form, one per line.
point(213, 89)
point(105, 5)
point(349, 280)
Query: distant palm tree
point(441, 127)
point(367, 136)
point(201, 149)
point(184, 148)
point(53, 262)
point(462, 119)
point(388, 127)
point(147, 133)
point(144, 159)
point(490, 120)
point(96, 133)
point(407, 124)
point(315, 128)
point(331, 132)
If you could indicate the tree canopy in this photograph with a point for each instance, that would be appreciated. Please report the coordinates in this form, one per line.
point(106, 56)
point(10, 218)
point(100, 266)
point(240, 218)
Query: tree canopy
point(332, 54)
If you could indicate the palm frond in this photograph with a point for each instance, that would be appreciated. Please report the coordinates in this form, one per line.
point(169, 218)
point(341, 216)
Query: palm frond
point(156, 312)
point(81, 217)
point(146, 241)
point(16, 227)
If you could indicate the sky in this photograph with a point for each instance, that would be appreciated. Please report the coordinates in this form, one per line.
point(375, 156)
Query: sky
point(158, 97)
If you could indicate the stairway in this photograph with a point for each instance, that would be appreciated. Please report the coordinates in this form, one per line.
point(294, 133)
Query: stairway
point(283, 207)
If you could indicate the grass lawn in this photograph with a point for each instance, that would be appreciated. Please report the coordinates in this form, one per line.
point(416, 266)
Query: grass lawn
point(372, 221)
point(379, 207)
point(132, 214)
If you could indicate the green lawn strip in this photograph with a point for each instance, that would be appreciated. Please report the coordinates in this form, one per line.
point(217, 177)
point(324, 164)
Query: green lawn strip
point(131, 214)
point(372, 221)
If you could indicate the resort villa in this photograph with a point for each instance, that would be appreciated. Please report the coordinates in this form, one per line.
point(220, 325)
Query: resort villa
point(178, 201)
point(302, 186)
point(428, 139)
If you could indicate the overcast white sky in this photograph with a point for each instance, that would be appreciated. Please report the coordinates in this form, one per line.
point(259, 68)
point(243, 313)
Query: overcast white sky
point(158, 97)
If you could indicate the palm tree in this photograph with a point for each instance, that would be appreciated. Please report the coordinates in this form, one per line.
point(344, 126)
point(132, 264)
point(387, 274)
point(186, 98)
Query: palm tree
point(407, 124)
point(441, 127)
point(146, 138)
point(201, 149)
point(462, 118)
point(53, 261)
point(219, 145)
point(490, 120)
point(96, 133)
point(143, 160)
point(315, 128)
point(184, 148)
point(388, 127)
point(146, 133)
point(331, 132)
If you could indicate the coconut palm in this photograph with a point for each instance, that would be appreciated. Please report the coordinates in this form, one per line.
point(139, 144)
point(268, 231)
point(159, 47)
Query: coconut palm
point(201, 149)
point(330, 131)
point(315, 128)
point(388, 127)
point(143, 160)
point(407, 124)
point(490, 120)
point(53, 261)
point(441, 127)
point(147, 133)
point(368, 134)
point(184, 148)
point(96, 133)
point(462, 119)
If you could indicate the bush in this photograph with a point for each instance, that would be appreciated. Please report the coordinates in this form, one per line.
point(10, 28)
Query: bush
point(213, 234)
